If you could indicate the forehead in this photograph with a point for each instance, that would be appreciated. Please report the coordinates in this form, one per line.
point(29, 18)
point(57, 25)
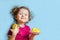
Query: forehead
point(23, 10)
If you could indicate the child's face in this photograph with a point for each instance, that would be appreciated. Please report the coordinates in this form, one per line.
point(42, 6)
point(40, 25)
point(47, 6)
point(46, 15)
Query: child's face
point(23, 15)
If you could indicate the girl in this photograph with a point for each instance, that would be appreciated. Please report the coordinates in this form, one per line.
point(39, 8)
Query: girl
point(21, 16)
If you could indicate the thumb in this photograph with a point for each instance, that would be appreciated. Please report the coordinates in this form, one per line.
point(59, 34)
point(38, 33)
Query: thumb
point(12, 30)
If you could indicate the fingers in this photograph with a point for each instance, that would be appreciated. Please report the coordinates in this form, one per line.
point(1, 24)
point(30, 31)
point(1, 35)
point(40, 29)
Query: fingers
point(12, 30)
point(35, 33)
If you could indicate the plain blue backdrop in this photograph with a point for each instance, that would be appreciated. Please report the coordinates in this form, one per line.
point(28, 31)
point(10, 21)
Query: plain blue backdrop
point(46, 17)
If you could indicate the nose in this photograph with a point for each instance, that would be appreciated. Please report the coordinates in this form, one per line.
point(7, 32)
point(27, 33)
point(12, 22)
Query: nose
point(22, 15)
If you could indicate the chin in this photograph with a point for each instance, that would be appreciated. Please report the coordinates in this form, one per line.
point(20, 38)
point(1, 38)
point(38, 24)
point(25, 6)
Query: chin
point(24, 21)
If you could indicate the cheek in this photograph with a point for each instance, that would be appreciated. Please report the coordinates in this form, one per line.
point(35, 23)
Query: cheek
point(27, 18)
point(20, 16)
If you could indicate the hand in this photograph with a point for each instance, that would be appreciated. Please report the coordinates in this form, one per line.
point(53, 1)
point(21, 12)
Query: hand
point(14, 31)
point(34, 33)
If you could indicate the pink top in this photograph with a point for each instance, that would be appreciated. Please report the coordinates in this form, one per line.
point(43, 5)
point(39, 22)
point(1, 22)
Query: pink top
point(23, 33)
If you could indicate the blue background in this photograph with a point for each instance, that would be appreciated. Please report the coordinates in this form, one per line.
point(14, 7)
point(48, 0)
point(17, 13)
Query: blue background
point(46, 17)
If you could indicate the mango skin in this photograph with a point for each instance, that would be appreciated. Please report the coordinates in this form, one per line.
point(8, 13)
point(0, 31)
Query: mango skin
point(35, 30)
point(14, 26)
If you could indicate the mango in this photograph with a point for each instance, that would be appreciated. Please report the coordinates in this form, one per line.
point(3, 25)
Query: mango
point(14, 26)
point(35, 30)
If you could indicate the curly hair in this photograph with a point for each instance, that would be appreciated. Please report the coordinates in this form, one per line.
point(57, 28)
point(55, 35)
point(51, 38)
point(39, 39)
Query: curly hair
point(16, 9)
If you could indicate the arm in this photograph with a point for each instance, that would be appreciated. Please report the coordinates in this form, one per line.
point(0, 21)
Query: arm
point(31, 37)
point(11, 37)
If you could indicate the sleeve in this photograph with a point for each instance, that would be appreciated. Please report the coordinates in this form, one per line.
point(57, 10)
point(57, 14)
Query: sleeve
point(9, 32)
point(28, 30)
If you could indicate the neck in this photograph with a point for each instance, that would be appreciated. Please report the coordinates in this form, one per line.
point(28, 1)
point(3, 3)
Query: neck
point(21, 24)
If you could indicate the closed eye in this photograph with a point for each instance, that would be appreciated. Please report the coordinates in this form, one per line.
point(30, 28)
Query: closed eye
point(25, 14)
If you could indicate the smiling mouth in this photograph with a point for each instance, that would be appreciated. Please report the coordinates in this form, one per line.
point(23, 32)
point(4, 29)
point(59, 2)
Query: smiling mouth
point(22, 18)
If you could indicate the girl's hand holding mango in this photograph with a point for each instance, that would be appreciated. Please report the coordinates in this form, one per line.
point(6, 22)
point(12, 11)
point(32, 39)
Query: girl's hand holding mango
point(35, 31)
point(14, 29)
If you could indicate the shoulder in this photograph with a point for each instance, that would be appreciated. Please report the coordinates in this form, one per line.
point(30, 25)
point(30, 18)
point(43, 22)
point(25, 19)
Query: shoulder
point(28, 27)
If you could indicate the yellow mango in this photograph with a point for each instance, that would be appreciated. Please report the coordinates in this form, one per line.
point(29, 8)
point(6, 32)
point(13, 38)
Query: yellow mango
point(35, 30)
point(14, 26)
